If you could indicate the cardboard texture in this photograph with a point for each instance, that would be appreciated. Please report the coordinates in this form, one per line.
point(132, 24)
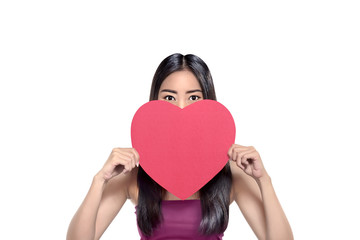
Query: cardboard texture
point(182, 149)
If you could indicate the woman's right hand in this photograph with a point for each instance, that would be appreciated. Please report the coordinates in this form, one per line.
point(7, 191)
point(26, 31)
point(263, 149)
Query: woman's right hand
point(121, 160)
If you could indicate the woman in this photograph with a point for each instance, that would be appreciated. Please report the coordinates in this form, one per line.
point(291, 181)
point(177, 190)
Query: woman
point(182, 80)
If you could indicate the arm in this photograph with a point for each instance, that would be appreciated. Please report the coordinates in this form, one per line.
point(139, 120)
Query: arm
point(277, 225)
point(106, 196)
point(255, 195)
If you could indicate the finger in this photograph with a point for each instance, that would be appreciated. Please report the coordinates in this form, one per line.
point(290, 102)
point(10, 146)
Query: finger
point(130, 164)
point(122, 159)
point(256, 160)
point(234, 153)
point(126, 163)
point(117, 149)
point(238, 148)
point(132, 156)
point(137, 156)
point(117, 170)
point(114, 166)
point(240, 163)
point(230, 151)
point(131, 153)
point(248, 171)
point(250, 157)
point(124, 171)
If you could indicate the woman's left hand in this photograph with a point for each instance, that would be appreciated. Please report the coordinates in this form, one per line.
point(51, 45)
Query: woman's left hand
point(248, 159)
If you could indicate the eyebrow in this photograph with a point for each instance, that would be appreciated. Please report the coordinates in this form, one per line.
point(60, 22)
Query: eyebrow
point(172, 91)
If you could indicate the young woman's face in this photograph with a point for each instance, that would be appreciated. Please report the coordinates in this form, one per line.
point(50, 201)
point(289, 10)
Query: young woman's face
point(181, 89)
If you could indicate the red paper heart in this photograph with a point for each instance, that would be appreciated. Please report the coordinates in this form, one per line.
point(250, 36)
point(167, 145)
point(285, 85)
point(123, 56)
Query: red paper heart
point(182, 149)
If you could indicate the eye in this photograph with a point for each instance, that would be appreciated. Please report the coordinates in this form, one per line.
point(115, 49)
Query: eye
point(169, 97)
point(194, 97)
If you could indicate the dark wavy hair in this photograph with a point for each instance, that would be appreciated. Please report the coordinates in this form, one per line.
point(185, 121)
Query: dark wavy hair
point(215, 195)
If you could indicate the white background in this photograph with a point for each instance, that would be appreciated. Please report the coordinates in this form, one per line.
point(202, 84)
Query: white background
point(73, 73)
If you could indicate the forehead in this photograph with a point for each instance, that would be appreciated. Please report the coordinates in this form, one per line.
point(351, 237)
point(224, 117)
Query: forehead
point(181, 80)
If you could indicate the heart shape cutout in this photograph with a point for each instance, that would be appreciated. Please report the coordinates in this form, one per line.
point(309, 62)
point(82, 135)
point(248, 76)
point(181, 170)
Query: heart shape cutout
point(182, 149)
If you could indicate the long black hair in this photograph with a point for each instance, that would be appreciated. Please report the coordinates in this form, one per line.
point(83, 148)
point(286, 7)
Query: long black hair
point(215, 195)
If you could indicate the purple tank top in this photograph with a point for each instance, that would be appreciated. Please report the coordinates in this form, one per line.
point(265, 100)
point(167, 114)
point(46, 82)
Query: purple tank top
point(181, 221)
